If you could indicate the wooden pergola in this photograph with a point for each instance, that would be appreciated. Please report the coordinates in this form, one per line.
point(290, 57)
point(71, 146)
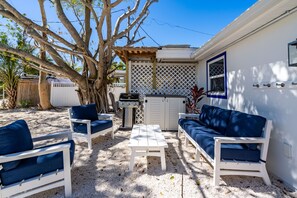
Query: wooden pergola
point(129, 53)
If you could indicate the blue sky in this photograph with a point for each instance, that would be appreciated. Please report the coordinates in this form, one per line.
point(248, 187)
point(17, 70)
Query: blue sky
point(206, 16)
point(191, 22)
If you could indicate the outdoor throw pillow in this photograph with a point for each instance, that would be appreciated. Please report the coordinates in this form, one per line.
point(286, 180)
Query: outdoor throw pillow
point(14, 138)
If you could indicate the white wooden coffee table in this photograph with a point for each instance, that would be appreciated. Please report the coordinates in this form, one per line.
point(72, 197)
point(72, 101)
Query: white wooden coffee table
point(147, 140)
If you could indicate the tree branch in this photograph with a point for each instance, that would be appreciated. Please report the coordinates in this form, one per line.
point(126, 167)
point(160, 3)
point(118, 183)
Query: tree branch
point(124, 16)
point(29, 57)
point(71, 74)
point(116, 3)
point(10, 11)
point(72, 31)
point(137, 27)
point(132, 42)
point(140, 16)
point(67, 24)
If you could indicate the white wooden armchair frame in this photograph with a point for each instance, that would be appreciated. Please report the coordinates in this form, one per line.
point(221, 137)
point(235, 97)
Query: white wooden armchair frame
point(46, 181)
point(224, 167)
point(89, 136)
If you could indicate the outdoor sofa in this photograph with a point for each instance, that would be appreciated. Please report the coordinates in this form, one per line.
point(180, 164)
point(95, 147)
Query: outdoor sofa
point(234, 143)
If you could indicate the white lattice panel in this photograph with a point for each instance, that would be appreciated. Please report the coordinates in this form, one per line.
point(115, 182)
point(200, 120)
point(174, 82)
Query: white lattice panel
point(171, 78)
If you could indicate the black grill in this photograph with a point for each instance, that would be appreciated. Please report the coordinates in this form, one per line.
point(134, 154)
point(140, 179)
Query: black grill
point(128, 102)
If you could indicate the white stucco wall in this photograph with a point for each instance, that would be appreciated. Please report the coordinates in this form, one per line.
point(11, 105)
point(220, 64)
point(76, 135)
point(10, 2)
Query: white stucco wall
point(262, 58)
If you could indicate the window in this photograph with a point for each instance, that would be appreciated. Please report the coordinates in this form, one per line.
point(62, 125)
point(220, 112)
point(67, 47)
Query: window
point(216, 76)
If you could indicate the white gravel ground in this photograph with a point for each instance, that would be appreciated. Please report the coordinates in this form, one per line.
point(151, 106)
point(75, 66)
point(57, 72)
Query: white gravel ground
point(104, 171)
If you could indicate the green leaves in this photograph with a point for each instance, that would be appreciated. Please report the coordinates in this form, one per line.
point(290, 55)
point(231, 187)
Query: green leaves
point(11, 66)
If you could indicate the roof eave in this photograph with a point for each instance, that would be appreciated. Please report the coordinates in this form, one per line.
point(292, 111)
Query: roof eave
point(256, 16)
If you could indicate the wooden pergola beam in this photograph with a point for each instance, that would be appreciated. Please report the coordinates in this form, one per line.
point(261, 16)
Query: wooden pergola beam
point(128, 53)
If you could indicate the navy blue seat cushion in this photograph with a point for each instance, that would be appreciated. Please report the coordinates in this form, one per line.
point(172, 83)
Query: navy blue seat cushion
point(204, 116)
point(198, 130)
point(219, 119)
point(238, 152)
point(96, 126)
point(14, 138)
point(245, 125)
point(35, 166)
point(87, 112)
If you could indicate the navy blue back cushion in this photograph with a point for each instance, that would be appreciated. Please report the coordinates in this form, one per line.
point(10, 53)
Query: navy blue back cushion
point(245, 125)
point(219, 119)
point(14, 138)
point(87, 112)
point(48, 157)
point(204, 116)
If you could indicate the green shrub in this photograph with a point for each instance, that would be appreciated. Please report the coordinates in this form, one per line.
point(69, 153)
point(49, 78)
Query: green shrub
point(25, 103)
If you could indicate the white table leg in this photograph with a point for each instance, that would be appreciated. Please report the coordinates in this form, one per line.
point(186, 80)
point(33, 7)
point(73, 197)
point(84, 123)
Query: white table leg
point(132, 159)
point(163, 161)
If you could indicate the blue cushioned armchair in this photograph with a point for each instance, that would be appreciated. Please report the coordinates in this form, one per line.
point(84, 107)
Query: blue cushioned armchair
point(85, 122)
point(26, 170)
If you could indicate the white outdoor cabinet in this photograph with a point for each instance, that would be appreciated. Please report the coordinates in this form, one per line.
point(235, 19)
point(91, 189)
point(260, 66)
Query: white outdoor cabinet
point(163, 110)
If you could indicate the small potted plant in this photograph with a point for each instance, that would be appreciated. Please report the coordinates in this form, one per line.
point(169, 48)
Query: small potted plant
point(197, 95)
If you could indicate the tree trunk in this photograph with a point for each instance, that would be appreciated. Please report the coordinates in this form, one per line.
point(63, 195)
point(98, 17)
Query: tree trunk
point(43, 90)
point(12, 96)
point(94, 95)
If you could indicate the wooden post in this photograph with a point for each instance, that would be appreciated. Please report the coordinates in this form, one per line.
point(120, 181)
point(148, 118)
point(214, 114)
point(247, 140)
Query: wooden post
point(154, 72)
point(127, 71)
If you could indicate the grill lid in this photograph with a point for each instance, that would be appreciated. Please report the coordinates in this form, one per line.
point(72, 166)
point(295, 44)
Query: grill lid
point(129, 97)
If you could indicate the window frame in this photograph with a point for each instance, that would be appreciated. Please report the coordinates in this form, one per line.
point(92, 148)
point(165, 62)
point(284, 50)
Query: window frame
point(222, 95)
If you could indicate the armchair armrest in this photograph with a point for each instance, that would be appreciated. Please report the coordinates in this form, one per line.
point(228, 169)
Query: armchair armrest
point(192, 115)
point(80, 121)
point(62, 134)
point(240, 140)
point(33, 153)
point(105, 116)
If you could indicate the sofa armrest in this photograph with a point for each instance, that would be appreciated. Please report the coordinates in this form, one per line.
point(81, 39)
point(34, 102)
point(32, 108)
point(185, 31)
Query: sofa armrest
point(34, 153)
point(185, 115)
point(240, 140)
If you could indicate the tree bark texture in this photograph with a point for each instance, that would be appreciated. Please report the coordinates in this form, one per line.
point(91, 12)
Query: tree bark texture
point(11, 92)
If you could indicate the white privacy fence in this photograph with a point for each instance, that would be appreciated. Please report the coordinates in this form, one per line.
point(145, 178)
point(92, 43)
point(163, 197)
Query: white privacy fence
point(64, 94)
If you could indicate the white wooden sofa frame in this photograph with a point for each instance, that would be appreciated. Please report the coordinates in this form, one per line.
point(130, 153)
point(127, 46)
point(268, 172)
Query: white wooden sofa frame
point(224, 167)
point(89, 136)
point(45, 181)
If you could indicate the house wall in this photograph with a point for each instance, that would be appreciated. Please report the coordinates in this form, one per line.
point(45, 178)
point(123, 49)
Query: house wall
point(262, 58)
